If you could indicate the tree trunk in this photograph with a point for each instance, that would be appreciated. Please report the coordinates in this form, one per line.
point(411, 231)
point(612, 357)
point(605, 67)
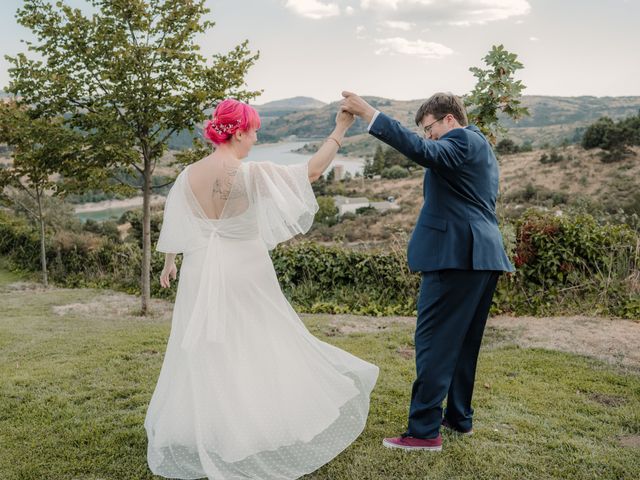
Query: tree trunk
point(146, 236)
point(43, 250)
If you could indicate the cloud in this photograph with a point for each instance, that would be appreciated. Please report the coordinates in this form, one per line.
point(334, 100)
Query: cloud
point(349, 10)
point(534, 39)
point(398, 25)
point(458, 13)
point(415, 48)
point(365, 4)
point(313, 8)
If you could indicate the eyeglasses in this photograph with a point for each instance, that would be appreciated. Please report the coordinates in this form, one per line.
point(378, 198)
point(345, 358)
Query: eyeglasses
point(427, 129)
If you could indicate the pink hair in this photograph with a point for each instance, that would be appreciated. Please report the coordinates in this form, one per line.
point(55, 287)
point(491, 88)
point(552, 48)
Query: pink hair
point(230, 116)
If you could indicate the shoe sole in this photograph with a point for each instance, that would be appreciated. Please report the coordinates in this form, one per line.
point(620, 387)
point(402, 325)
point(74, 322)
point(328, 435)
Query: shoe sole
point(399, 447)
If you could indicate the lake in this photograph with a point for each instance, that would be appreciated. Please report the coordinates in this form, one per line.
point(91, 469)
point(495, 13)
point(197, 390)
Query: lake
point(281, 153)
point(102, 215)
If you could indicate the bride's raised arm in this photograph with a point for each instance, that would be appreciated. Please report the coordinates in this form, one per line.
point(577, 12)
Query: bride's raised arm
point(327, 151)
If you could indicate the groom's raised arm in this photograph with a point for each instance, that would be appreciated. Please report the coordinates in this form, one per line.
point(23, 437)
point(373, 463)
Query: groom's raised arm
point(447, 153)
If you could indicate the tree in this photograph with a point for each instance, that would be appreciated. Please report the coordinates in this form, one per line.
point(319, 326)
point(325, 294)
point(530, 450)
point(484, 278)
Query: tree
point(128, 77)
point(378, 160)
point(495, 91)
point(507, 146)
point(40, 148)
point(395, 172)
point(327, 213)
point(613, 136)
point(392, 157)
point(367, 170)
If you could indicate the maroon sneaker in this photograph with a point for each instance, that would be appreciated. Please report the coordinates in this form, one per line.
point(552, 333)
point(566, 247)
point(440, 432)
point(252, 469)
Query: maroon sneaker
point(411, 443)
point(450, 427)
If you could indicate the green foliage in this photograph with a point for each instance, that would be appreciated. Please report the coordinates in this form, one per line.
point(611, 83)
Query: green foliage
point(336, 280)
point(320, 186)
point(327, 213)
point(609, 135)
point(576, 262)
point(394, 172)
point(507, 146)
point(40, 148)
point(386, 159)
point(613, 137)
point(495, 91)
point(79, 258)
point(331, 175)
point(378, 160)
point(127, 78)
point(567, 264)
point(552, 157)
point(107, 229)
point(135, 218)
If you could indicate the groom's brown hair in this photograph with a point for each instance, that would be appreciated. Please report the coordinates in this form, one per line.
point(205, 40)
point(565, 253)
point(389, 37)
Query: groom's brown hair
point(440, 104)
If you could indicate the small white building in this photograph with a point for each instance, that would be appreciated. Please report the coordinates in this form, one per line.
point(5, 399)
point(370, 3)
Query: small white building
point(350, 205)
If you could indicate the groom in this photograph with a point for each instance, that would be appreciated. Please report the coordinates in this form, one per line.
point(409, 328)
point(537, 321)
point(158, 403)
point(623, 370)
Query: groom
point(457, 247)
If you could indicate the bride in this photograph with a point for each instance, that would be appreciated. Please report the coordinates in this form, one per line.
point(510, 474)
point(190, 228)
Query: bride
point(245, 391)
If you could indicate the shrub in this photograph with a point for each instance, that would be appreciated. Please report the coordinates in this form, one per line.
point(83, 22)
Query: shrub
point(507, 146)
point(567, 264)
point(573, 262)
point(552, 157)
point(395, 172)
point(327, 213)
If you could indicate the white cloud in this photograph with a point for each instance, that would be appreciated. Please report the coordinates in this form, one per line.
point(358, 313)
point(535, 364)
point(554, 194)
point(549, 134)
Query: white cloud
point(398, 25)
point(349, 10)
point(459, 12)
point(416, 48)
point(534, 39)
point(313, 8)
point(365, 4)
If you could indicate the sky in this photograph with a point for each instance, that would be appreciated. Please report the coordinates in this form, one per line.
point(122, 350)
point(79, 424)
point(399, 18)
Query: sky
point(409, 49)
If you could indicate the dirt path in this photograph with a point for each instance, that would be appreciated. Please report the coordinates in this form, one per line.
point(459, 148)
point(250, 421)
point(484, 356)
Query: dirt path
point(615, 341)
point(612, 340)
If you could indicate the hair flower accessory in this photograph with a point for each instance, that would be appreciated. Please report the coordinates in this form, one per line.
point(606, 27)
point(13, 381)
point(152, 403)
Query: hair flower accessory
point(222, 128)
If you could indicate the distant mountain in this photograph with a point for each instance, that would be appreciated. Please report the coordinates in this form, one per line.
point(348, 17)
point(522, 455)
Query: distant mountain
point(552, 120)
point(288, 105)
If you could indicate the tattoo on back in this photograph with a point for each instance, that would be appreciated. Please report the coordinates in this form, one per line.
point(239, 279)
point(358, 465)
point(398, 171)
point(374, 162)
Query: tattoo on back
point(223, 188)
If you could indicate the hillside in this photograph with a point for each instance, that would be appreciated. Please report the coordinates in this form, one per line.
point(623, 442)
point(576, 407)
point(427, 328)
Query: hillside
point(552, 120)
point(289, 105)
point(579, 178)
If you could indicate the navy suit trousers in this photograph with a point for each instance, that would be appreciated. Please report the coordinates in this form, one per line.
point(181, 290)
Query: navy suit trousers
point(452, 312)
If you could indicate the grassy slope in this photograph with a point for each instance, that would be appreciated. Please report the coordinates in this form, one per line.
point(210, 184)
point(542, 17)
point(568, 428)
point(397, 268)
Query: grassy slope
point(74, 390)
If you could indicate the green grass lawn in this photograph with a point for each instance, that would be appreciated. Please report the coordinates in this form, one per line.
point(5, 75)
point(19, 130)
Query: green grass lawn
point(74, 389)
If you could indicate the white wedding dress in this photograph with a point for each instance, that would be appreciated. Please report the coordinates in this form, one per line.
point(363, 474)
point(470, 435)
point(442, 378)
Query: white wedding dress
point(245, 391)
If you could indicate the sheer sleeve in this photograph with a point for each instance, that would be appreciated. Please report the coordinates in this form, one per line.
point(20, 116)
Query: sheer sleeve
point(283, 199)
point(179, 232)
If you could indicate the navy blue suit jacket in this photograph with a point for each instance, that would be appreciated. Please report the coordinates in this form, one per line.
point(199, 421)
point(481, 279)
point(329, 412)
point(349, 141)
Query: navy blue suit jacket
point(457, 227)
